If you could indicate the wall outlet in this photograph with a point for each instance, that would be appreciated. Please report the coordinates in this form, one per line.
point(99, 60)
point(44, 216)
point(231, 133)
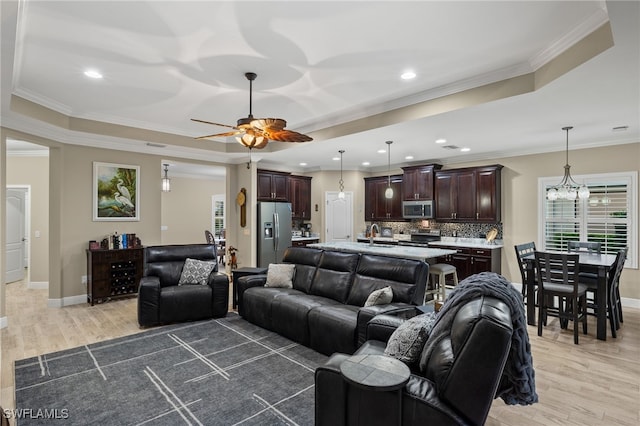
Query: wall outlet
point(84, 279)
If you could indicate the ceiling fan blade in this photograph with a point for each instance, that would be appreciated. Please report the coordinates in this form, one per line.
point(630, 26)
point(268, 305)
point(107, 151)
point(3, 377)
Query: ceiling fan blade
point(215, 124)
point(287, 136)
point(236, 132)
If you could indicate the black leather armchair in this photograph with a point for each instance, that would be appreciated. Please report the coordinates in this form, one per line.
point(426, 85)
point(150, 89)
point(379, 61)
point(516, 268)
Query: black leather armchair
point(454, 382)
point(161, 300)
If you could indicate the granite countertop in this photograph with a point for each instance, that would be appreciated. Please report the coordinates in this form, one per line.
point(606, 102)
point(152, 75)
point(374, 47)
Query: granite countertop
point(407, 252)
point(304, 238)
point(467, 242)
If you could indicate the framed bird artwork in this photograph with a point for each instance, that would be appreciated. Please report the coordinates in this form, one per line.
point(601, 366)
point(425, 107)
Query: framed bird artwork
point(116, 195)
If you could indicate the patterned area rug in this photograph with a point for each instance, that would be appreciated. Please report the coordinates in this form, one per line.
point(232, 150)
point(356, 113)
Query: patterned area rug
point(217, 372)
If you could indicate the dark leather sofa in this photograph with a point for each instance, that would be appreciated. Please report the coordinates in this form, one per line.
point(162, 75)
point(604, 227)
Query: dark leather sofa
point(161, 300)
point(454, 382)
point(325, 308)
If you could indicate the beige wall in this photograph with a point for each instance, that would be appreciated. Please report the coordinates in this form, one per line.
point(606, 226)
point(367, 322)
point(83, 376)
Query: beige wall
point(186, 209)
point(34, 172)
point(322, 182)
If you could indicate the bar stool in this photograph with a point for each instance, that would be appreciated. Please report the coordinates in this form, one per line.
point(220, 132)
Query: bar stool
point(440, 271)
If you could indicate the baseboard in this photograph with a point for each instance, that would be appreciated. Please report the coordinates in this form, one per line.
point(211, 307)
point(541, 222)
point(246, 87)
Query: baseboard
point(627, 302)
point(3, 322)
point(67, 301)
point(38, 285)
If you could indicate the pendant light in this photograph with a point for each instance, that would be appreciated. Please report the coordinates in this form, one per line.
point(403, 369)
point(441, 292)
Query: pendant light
point(341, 182)
point(568, 189)
point(166, 182)
point(389, 191)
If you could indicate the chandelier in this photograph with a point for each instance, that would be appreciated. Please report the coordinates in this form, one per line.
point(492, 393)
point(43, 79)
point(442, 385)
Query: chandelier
point(341, 182)
point(567, 189)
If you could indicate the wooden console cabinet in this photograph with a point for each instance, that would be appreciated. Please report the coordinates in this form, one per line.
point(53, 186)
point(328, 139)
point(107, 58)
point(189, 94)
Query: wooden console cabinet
point(113, 274)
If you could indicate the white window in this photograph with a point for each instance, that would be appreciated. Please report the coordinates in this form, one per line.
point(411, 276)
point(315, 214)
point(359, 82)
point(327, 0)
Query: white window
point(608, 216)
point(217, 214)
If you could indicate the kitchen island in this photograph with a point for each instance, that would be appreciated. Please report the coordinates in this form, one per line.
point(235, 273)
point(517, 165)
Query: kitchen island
point(406, 252)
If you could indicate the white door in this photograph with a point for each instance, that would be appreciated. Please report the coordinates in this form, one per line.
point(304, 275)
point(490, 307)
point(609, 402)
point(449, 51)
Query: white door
point(339, 217)
point(15, 234)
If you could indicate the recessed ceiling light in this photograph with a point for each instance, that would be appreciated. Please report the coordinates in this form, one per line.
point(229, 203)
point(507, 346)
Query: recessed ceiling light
point(93, 74)
point(465, 149)
point(382, 151)
point(409, 157)
point(441, 141)
point(366, 163)
point(336, 158)
point(408, 75)
point(303, 164)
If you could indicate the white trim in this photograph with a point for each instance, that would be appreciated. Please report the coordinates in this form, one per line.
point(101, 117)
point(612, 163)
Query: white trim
point(4, 322)
point(67, 301)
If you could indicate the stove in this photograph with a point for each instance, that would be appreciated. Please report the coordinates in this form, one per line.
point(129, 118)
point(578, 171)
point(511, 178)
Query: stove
point(421, 239)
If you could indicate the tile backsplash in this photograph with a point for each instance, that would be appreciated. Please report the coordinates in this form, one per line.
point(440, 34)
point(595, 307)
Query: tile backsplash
point(447, 229)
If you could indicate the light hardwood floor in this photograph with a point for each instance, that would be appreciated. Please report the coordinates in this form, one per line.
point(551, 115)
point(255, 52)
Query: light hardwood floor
point(593, 383)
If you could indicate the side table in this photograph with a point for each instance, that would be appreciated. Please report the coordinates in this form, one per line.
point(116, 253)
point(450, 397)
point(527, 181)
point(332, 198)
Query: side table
point(241, 272)
point(377, 373)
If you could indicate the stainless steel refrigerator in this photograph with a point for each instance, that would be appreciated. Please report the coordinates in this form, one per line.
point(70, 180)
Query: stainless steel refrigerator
point(274, 232)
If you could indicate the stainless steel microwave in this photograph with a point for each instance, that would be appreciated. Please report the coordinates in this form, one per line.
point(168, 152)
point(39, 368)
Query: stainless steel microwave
point(417, 209)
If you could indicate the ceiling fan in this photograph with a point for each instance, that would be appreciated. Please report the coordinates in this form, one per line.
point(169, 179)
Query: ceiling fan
point(256, 132)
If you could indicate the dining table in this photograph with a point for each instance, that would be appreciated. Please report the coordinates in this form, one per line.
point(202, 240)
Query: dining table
point(598, 263)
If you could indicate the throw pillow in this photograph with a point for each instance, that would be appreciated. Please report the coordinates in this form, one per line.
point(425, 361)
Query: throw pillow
point(196, 271)
point(280, 275)
point(382, 296)
point(407, 341)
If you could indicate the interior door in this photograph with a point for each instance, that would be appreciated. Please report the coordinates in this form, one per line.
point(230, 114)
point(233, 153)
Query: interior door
point(15, 232)
point(339, 217)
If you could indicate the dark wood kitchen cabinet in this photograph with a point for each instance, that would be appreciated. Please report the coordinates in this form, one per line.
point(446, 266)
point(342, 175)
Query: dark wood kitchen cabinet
point(273, 186)
point(113, 274)
point(417, 182)
point(468, 195)
point(472, 260)
point(300, 197)
point(376, 205)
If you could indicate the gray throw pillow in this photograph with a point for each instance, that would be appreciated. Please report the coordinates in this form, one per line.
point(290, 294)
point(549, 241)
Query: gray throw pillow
point(382, 296)
point(196, 271)
point(407, 341)
point(280, 275)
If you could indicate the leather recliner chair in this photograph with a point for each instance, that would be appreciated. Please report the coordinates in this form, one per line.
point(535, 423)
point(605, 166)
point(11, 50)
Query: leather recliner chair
point(161, 300)
point(454, 383)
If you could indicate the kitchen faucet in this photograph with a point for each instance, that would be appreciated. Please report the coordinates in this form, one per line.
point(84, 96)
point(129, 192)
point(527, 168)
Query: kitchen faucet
point(371, 233)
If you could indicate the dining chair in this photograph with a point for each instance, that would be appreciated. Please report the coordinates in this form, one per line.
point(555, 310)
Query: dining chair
point(591, 247)
point(220, 249)
point(590, 278)
point(523, 250)
point(557, 275)
point(614, 303)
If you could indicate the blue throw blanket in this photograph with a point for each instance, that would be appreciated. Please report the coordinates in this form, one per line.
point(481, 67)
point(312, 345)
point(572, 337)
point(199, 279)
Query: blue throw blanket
point(517, 385)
